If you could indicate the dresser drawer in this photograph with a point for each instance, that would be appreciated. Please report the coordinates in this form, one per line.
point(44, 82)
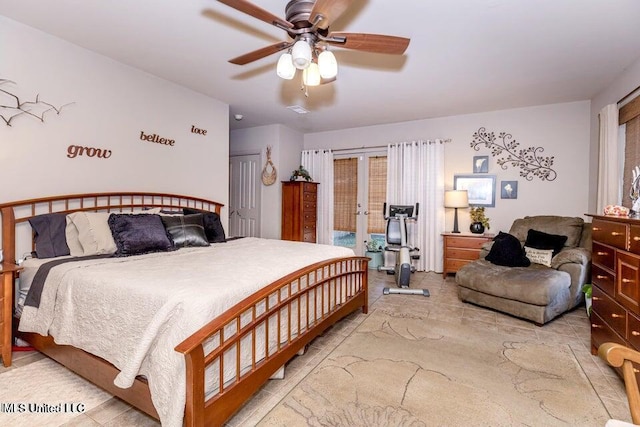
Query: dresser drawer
point(603, 279)
point(610, 311)
point(309, 216)
point(466, 242)
point(602, 333)
point(628, 280)
point(610, 233)
point(458, 253)
point(309, 187)
point(309, 206)
point(634, 239)
point(633, 331)
point(604, 255)
point(309, 237)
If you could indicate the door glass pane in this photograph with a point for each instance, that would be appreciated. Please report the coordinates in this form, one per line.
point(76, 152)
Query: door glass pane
point(345, 201)
point(377, 196)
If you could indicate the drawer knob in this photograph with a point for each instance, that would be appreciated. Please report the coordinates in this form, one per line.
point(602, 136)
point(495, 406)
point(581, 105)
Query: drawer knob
point(601, 253)
point(635, 371)
point(636, 238)
point(601, 276)
point(616, 233)
point(596, 229)
point(595, 298)
point(594, 326)
point(616, 316)
point(627, 280)
point(635, 333)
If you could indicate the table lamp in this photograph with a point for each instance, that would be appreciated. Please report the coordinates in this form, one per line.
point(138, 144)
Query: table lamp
point(456, 199)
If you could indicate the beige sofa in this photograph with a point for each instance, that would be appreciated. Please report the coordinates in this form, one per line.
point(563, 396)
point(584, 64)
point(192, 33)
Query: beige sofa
point(537, 293)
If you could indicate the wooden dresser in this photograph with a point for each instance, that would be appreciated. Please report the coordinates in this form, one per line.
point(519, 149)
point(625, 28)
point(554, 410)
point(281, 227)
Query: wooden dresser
point(615, 274)
point(299, 210)
point(7, 275)
point(461, 249)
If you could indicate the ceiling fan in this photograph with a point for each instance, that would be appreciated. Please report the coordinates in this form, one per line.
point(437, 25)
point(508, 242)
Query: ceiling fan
point(307, 25)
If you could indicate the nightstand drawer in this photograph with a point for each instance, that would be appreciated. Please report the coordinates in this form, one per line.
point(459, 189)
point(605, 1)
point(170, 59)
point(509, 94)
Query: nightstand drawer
point(456, 253)
point(466, 242)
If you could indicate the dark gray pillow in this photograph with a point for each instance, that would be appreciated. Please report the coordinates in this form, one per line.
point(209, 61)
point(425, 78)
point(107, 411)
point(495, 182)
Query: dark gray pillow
point(139, 234)
point(49, 235)
point(507, 250)
point(212, 225)
point(186, 230)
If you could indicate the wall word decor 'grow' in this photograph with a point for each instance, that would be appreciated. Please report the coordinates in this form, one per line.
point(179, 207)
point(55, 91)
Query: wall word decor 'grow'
point(527, 159)
point(11, 106)
point(78, 150)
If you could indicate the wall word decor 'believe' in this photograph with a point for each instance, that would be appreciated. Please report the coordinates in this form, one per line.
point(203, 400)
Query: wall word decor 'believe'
point(156, 138)
point(198, 131)
point(11, 106)
point(527, 159)
point(77, 150)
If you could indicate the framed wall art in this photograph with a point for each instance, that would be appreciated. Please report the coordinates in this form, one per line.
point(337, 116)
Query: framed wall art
point(509, 189)
point(480, 188)
point(480, 164)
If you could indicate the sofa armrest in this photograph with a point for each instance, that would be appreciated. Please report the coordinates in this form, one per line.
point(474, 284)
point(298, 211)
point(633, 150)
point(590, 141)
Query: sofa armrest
point(484, 250)
point(580, 256)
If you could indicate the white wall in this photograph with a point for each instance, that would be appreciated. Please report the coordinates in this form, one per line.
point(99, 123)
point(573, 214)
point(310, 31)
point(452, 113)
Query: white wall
point(111, 104)
point(561, 129)
point(286, 147)
point(627, 81)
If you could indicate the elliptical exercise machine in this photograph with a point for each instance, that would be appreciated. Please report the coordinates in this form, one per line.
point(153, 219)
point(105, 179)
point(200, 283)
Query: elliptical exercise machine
point(396, 236)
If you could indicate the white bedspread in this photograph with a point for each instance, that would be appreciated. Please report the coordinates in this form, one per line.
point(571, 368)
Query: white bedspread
point(134, 311)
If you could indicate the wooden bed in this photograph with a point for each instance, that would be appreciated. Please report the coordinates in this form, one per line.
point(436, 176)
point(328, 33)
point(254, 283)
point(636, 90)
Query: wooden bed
point(327, 277)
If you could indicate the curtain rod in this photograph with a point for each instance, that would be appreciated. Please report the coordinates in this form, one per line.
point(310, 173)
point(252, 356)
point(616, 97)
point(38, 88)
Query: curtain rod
point(628, 95)
point(374, 146)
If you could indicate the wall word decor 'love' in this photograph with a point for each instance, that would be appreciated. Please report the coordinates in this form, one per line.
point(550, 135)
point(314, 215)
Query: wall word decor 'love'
point(156, 138)
point(198, 131)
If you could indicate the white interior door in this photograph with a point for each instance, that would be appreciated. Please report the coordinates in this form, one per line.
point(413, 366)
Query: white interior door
point(244, 195)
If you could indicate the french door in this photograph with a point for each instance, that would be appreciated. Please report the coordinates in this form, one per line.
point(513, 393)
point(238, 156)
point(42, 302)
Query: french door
point(360, 189)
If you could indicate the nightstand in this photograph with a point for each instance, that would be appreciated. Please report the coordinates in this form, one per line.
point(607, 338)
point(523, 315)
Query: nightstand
point(7, 276)
point(461, 249)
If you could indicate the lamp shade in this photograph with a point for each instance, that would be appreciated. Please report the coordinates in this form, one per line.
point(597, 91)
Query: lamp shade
point(456, 199)
point(285, 68)
point(311, 75)
point(301, 54)
point(327, 64)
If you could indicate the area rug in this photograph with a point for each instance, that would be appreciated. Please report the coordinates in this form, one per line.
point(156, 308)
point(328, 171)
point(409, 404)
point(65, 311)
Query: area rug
point(404, 370)
point(44, 393)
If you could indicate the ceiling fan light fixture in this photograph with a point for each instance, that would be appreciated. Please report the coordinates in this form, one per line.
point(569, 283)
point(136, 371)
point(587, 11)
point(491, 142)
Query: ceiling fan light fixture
point(311, 75)
point(301, 54)
point(327, 64)
point(285, 68)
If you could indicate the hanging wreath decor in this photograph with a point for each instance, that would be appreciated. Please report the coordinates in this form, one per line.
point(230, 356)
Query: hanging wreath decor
point(269, 172)
point(528, 159)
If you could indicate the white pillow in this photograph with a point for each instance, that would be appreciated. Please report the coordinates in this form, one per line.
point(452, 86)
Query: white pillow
point(539, 256)
point(88, 233)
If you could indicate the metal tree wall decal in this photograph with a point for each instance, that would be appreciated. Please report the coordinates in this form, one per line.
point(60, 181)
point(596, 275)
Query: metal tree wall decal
point(14, 107)
point(527, 159)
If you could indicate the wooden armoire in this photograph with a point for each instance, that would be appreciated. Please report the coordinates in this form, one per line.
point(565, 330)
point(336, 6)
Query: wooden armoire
point(299, 210)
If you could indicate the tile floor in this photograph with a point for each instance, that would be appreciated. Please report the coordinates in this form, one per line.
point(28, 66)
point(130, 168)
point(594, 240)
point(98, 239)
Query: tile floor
point(572, 328)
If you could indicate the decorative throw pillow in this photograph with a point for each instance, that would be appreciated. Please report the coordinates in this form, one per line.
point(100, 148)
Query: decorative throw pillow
point(212, 225)
point(539, 256)
point(139, 234)
point(540, 240)
point(49, 235)
point(92, 231)
point(506, 250)
point(185, 230)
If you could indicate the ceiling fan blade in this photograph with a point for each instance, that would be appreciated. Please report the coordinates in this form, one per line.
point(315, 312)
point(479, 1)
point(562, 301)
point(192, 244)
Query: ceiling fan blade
point(260, 53)
point(330, 11)
point(376, 43)
point(257, 12)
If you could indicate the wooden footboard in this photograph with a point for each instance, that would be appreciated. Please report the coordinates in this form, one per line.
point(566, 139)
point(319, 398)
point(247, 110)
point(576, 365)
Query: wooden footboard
point(228, 359)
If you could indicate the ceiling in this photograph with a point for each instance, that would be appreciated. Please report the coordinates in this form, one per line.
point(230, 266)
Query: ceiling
point(465, 56)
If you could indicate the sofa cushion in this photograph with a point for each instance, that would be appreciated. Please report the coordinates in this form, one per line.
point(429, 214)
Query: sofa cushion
point(537, 284)
point(507, 250)
point(551, 224)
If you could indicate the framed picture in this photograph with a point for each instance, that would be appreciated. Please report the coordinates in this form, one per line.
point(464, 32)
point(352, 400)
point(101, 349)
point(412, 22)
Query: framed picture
point(480, 164)
point(509, 189)
point(481, 189)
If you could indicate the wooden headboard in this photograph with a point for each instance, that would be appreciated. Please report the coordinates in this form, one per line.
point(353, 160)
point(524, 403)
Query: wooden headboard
point(17, 214)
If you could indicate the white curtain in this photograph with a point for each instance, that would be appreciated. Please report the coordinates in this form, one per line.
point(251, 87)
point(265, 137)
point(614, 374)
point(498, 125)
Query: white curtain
point(415, 174)
point(319, 163)
point(608, 168)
